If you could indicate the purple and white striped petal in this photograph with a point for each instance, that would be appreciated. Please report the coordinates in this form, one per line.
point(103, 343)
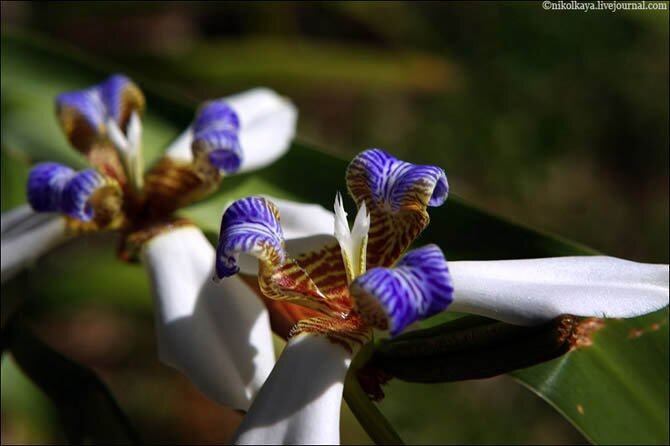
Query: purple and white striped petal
point(121, 97)
point(215, 131)
point(394, 184)
point(45, 186)
point(266, 124)
point(251, 226)
point(81, 107)
point(396, 194)
point(53, 187)
point(216, 115)
point(306, 227)
point(418, 286)
point(84, 113)
point(78, 191)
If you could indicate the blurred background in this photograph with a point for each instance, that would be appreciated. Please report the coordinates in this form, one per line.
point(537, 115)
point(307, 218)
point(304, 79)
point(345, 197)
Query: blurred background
point(554, 119)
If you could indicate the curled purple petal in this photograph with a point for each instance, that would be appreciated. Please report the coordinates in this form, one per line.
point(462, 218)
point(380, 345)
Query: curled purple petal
point(223, 149)
point(83, 105)
point(216, 131)
point(390, 182)
point(84, 113)
point(251, 226)
point(112, 92)
point(78, 191)
point(397, 195)
point(45, 186)
point(216, 115)
point(418, 286)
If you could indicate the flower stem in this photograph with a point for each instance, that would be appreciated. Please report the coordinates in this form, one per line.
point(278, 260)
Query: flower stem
point(368, 414)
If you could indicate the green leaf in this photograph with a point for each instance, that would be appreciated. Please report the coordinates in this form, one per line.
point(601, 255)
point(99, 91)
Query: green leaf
point(287, 61)
point(614, 391)
point(85, 405)
point(14, 176)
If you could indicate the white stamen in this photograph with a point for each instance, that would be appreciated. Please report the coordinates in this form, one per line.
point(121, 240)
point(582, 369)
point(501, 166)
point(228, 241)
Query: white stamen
point(352, 243)
point(134, 133)
point(117, 137)
point(129, 146)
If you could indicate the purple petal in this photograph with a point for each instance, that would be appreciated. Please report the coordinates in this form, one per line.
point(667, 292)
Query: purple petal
point(83, 104)
point(216, 130)
point(418, 286)
point(397, 195)
point(78, 191)
point(45, 186)
point(250, 225)
point(216, 115)
point(396, 184)
point(113, 92)
point(223, 149)
point(84, 113)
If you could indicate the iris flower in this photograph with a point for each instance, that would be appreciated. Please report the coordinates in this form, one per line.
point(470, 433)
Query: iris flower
point(218, 335)
point(363, 280)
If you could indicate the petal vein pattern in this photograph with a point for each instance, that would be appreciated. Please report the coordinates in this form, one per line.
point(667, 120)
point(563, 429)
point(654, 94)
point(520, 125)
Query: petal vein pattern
point(416, 288)
point(216, 134)
point(396, 194)
point(251, 226)
point(84, 195)
point(85, 114)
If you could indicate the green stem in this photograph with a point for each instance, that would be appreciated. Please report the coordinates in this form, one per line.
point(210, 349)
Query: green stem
point(366, 411)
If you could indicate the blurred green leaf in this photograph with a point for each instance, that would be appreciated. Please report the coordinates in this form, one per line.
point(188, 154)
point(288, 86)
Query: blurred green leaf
point(286, 61)
point(87, 409)
point(14, 175)
point(30, 408)
point(614, 390)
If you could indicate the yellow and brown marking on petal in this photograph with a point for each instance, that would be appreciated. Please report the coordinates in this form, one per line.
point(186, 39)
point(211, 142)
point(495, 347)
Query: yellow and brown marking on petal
point(171, 184)
point(350, 332)
point(396, 194)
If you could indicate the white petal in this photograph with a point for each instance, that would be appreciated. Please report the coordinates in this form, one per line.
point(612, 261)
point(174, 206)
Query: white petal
point(307, 227)
point(527, 292)
point(303, 219)
point(180, 149)
point(8, 219)
point(300, 402)
point(267, 126)
point(27, 235)
point(217, 334)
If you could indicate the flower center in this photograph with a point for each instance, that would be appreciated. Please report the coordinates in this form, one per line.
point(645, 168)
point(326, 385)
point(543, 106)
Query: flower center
point(353, 244)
